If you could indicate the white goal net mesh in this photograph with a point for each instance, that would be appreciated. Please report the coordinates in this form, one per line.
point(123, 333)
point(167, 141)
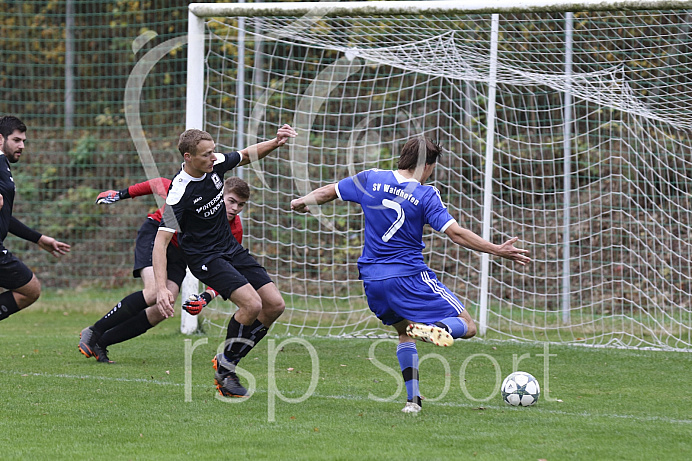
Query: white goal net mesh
point(611, 92)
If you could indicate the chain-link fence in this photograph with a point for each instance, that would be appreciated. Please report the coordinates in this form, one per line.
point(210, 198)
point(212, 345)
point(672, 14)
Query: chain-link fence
point(66, 67)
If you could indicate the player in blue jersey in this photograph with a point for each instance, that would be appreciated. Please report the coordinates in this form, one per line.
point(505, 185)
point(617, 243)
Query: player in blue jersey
point(23, 288)
point(401, 290)
point(195, 208)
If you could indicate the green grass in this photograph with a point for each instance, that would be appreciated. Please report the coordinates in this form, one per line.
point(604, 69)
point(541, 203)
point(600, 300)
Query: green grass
point(56, 404)
point(350, 316)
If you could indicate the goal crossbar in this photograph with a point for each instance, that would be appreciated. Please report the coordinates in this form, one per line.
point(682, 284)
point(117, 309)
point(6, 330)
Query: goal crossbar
point(335, 9)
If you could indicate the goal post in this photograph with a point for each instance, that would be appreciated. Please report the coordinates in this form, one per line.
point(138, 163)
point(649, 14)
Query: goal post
point(194, 118)
point(564, 123)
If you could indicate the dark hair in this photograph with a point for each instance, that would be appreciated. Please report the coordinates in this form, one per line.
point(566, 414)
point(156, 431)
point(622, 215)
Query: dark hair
point(237, 186)
point(189, 140)
point(416, 150)
point(10, 123)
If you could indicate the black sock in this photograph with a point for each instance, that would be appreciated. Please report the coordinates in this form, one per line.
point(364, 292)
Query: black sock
point(254, 334)
point(242, 338)
point(234, 332)
point(8, 305)
point(129, 329)
point(130, 306)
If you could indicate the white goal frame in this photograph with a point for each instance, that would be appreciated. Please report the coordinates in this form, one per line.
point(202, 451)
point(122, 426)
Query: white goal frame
point(196, 86)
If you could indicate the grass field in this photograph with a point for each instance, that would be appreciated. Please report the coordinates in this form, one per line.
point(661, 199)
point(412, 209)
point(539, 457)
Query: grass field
point(316, 398)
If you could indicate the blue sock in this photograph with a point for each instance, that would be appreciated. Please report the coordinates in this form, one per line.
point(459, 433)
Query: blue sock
point(456, 326)
point(408, 361)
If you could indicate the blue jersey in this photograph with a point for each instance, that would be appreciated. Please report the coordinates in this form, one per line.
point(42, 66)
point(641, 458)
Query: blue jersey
point(396, 209)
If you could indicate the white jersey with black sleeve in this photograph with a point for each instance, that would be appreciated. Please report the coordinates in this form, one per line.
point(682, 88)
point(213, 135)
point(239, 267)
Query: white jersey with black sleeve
point(196, 210)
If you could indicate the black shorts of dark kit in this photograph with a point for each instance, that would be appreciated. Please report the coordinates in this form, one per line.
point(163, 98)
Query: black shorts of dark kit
point(144, 247)
point(13, 273)
point(227, 273)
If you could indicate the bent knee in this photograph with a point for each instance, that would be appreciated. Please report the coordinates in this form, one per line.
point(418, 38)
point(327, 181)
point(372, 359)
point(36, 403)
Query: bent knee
point(275, 308)
point(149, 295)
point(29, 299)
point(252, 308)
point(154, 316)
point(29, 293)
point(471, 332)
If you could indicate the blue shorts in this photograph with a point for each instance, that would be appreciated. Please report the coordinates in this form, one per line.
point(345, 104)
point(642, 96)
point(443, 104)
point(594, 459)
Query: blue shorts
point(417, 298)
point(13, 273)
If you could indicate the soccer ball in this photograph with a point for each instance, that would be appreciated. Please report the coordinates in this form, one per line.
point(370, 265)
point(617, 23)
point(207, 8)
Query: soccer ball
point(520, 389)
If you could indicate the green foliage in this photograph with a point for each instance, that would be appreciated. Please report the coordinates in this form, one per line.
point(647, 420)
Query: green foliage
point(72, 212)
point(84, 151)
point(33, 74)
point(30, 185)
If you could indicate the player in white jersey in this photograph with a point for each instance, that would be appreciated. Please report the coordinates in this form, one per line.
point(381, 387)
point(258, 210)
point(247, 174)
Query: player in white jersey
point(401, 290)
point(195, 208)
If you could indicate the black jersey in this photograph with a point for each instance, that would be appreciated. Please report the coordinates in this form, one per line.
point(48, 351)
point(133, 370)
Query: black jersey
point(7, 190)
point(195, 209)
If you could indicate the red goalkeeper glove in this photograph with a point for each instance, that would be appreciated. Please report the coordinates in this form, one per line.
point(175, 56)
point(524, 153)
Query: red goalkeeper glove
point(111, 196)
point(195, 303)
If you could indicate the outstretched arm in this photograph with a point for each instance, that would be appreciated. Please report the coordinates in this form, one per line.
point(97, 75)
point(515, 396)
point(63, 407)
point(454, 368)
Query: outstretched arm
point(108, 197)
point(158, 186)
point(319, 196)
point(468, 239)
point(47, 243)
point(260, 150)
point(21, 230)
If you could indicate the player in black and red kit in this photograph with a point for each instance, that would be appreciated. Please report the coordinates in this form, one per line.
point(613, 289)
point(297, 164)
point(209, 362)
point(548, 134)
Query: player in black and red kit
point(132, 316)
point(194, 208)
point(23, 288)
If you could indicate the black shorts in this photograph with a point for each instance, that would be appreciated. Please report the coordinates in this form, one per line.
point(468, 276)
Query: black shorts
point(13, 273)
point(144, 247)
point(227, 273)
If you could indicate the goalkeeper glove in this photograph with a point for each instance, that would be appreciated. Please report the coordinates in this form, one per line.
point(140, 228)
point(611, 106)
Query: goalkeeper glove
point(195, 303)
point(111, 196)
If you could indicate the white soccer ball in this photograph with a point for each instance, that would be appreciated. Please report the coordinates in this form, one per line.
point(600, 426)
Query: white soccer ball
point(520, 389)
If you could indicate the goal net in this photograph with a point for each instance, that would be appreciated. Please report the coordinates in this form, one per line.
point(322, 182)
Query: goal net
point(569, 130)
